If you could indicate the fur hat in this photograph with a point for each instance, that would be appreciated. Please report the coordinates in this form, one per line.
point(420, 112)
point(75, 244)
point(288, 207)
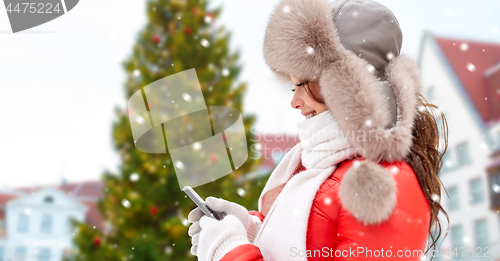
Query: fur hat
point(357, 80)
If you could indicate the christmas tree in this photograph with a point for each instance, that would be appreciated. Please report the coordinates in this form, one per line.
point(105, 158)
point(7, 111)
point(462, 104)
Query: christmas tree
point(143, 204)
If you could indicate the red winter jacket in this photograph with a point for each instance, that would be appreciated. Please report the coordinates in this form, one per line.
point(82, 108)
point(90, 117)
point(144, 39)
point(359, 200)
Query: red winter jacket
point(334, 234)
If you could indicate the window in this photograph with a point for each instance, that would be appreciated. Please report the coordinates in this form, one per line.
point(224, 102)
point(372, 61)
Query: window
point(463, 154)
point(22, 223)
point(457, 235)
point(46, 224)
point(20, 254)
point(447, 161)
point(44, 254)
point(454, 202)
point(476, 191)
point(481, 233)
point(431, 93)
point(48, 199)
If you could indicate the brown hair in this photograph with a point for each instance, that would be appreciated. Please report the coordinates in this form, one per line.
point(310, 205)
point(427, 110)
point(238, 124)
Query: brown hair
point(425, 157)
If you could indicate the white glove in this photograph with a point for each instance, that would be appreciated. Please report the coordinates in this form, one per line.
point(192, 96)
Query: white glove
point(251, 223)
point(217, 237)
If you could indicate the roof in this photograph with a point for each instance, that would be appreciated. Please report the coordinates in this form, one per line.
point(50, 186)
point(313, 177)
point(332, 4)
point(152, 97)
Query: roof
point(274, 143)
point(85, 189)
point(477, 66)
point(87, 193)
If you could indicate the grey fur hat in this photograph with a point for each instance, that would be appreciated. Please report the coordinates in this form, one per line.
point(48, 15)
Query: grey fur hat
point(352, 47)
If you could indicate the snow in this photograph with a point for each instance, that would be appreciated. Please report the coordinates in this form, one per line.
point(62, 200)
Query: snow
point(241, 192)
point(126, 203)
point(286, 9)
point(471, 67)
point(205, 43)
point(496, 188)
point(134, 177)
point(464, 47)
point(370, 68)
point(186, 97)
point(310, 50)
point(390, 56)
point(179, 164)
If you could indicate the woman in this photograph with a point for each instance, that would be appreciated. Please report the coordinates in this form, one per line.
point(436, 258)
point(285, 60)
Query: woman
point(363, 182)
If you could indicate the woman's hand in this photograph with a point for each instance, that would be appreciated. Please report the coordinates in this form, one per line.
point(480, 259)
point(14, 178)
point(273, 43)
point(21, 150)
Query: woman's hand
point(250, 222)
point(212, 238)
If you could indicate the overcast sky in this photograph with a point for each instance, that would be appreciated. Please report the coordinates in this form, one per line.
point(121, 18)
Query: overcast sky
point(61, 80)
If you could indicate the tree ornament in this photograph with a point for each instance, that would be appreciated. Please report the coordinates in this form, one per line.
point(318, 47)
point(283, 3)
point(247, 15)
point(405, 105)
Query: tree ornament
point(195, 10)
point(153, 210)
point(187, 30)
point(97, 241)
point(156, 39)
point(213, 158)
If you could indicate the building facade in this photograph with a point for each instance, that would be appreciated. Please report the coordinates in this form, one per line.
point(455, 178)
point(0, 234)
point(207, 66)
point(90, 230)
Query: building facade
point(454, 77)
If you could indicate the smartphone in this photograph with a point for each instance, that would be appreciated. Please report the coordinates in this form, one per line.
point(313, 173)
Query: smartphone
point(200, 203)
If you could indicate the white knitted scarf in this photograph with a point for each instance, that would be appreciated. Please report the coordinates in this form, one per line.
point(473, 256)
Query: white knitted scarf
point(283, 232)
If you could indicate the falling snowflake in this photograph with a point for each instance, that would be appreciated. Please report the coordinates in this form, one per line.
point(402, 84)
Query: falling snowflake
point(186, 97)
point(179, 164)
point(390, 56)
point(126, 203)
point(208, 19)
point(496, 188)
point(447, 13)
point(395, 170)
point(495, 31)
point(355, 14)
point(205, 43)
point(139, 119)
point(356, 164)
point(368, 123)
point(196, 146)
point(137, 73)
point(225, 72)
point(134, 177)
point(421, 108)
point(241, 192)
point(169, 250)
point(464, 47)
point(370, 68)
point(328, 201)
point(310, 50)
point(471, 67)
point(286, 9)
point(435, 197)
point(27, 211)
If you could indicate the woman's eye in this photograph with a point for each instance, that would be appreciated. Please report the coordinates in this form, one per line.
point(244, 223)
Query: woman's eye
point(293, 89)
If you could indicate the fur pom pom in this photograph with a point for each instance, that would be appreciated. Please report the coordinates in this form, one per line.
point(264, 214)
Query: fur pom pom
point(368, 191)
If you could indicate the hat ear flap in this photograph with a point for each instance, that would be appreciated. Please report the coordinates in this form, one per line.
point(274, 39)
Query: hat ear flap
point(354, 97)
point(368, 192)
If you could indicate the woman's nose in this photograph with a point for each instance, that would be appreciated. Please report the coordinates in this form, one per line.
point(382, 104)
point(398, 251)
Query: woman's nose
point(296, 102)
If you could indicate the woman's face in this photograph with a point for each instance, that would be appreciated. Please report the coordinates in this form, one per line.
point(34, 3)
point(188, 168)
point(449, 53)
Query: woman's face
point(303, 101)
